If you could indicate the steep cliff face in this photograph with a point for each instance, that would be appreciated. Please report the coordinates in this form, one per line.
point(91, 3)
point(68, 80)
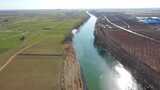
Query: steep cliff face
point(142, 69)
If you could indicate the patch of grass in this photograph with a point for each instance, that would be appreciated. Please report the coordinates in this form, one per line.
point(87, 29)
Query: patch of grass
point(48, 29)
point(59, 23)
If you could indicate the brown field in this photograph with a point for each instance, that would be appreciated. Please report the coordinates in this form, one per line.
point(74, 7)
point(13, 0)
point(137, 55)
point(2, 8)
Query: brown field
point(39, 63)
point(32, 73)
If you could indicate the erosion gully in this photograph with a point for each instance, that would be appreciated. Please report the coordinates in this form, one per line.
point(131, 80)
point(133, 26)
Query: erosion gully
point(100, 72)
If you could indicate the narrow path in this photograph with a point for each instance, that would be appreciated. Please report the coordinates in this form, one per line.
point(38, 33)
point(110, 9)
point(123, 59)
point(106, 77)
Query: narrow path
point(128, 26)
point(14, 55)
point(36, 54)
point(138, 34)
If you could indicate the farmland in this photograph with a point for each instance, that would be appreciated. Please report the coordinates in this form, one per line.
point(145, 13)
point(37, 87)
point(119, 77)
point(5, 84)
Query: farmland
point(33, 41)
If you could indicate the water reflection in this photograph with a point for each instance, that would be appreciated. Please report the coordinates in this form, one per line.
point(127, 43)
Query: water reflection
point(115, 76)
point(102, 72)
point(124, 79)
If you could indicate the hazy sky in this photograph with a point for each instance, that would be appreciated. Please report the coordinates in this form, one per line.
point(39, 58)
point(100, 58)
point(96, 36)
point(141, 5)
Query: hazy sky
point(74, 4)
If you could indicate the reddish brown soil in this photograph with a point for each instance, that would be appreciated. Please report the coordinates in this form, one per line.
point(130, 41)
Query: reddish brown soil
point(140, 54)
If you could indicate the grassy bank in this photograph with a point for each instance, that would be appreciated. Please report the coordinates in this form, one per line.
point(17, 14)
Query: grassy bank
point(46, 30)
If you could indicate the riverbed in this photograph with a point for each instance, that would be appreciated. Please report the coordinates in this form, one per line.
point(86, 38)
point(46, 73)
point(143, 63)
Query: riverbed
point(101, 72)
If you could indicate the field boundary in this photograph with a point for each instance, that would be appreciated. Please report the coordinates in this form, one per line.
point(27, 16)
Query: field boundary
point(14, 55)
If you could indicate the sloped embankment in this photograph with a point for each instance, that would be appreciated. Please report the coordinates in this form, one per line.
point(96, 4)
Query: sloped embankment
point(71, 77)
point(105, 38)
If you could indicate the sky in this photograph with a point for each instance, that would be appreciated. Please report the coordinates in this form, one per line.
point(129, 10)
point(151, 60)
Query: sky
point(76, 4)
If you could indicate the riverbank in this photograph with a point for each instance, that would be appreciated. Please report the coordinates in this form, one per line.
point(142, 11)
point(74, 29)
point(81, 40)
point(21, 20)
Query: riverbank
point(146, 76)
point(72, 77)
point(40, 66)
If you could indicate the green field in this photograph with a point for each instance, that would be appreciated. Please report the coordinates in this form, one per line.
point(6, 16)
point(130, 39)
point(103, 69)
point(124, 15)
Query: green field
point(45, 31)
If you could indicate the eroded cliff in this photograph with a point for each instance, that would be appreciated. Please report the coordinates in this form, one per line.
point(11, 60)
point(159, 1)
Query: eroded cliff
point(123, 48)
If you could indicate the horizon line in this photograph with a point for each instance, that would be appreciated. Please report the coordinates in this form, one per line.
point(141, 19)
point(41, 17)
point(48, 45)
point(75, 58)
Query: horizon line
point(76, 8)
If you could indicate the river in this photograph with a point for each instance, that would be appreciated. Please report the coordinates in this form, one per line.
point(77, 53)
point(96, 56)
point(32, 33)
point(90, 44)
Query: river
point(101, 73)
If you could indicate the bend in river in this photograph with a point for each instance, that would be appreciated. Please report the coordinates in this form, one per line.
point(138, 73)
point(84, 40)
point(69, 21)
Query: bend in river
point(101, 73)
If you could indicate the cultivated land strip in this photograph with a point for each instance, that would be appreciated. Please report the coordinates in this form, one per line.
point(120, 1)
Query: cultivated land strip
point(39, 66)
point(14, 55)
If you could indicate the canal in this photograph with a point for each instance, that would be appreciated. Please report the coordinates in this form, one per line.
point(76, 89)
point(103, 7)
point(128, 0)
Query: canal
point(101, 73)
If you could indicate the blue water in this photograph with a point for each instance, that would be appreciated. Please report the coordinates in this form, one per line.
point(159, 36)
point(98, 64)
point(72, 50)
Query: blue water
point(101, 73)
point(152, 21)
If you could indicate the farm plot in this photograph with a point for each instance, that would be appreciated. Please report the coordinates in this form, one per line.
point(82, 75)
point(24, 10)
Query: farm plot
point(39, 66)
point(32, 73)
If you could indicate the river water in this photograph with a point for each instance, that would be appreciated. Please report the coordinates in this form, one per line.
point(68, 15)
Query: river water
point(101, 73)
